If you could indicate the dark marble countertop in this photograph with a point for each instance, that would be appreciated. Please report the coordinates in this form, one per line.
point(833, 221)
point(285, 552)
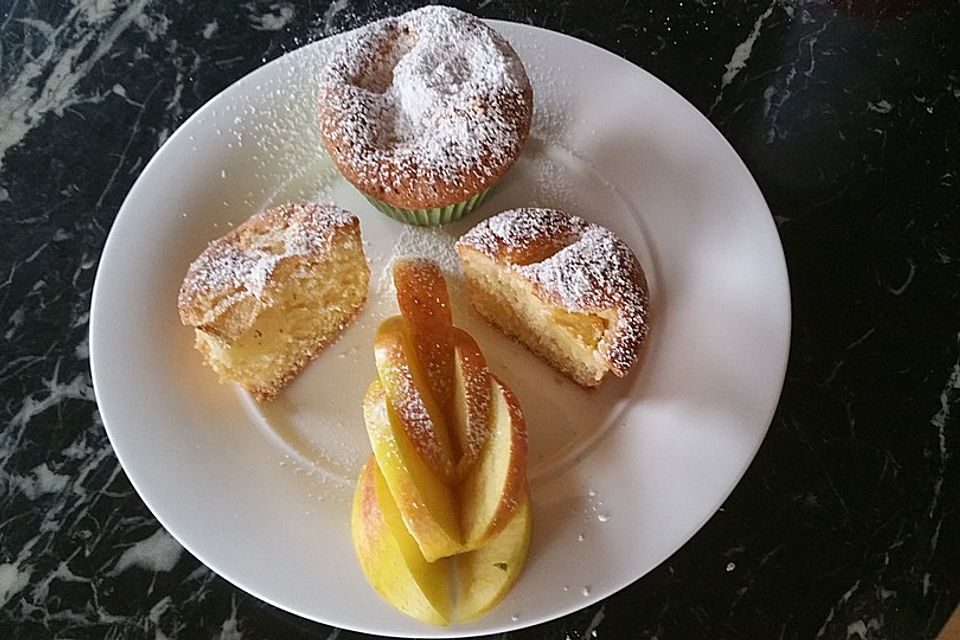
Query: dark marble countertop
point(847, 525)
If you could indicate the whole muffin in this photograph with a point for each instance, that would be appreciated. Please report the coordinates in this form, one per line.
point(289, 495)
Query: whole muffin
point(425, 112)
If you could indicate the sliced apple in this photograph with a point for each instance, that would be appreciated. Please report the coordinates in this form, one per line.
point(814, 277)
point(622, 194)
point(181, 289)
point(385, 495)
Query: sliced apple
point(427, 505)
point(471, 401)
point(448, 474)
point(391, 558)
point(405, 382)
point(487, 574)
point(493, 489)
point(425, 304)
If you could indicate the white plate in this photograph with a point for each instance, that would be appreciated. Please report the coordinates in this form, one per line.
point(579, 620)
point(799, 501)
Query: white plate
point(621, 477)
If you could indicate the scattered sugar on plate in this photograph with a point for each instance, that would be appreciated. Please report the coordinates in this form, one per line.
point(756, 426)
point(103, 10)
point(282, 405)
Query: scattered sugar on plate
point(422, 242)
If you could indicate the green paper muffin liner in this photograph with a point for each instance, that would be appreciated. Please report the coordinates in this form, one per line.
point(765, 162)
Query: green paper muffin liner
point(433, 216)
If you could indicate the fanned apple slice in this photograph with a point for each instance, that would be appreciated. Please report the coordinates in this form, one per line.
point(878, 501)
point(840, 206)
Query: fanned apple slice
point(426, 504)
point(471, 401)
point(404, 380)
point(487, 574)
point(391, 558)
point(425, 304)
point(493, 489)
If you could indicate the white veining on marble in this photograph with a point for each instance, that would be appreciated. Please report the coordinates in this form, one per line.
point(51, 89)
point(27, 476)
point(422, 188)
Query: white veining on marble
point(157, 611)
point(856, 343)
point(48, 82)
point(56, 393)
point(880, 106)
point(279, 16)
point(210, 28)
point(134, 129)
point(335, 8)
point(906, 282)
point(229, 629)
point(782, 88)
point(14, 322)
point(159, 552)
point(595, 621)
point(754, 568)
point(13, 578)
point(70, 485)
point(862, 629)
point(96, 12)
point(833, 610)
point(949, 395)
point(82, 350)
point(40, 481)
point(741, 54)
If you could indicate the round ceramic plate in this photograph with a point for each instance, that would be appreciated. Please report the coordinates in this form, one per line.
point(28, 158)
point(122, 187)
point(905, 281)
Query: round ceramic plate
point(621, 477)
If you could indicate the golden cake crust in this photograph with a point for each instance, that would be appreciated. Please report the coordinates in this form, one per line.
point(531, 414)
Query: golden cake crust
point(237, 275)
point(574, 265)
point(426, 109)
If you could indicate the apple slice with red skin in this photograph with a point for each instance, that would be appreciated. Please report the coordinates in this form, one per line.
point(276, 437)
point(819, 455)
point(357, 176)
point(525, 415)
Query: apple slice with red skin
point(494, 487)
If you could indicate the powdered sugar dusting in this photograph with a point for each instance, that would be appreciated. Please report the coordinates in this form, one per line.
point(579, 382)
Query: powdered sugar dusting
point(589, 274)
point(423, 242)
point(243, 261)
point(515, 233)
point(550, 188)
point(577, 265)
point(409, 405)
point(434, 100)
point(551, 84)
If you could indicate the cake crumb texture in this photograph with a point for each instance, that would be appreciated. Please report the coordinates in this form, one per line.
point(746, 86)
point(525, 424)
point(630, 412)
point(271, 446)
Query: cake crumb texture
point(267, 297)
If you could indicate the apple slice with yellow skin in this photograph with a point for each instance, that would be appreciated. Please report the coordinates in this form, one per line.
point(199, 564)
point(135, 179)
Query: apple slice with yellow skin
point(391, 558)
point(486, 575)
point(494, 488)
point(425, 304)
point(427, 505)
point(471, 406)
point(405, 383)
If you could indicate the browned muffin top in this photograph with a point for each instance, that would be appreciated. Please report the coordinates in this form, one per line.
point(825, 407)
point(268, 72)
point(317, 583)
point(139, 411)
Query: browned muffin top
point(425, 109)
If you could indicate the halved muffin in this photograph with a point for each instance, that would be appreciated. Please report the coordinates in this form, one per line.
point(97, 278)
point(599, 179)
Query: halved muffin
point(570, 290)
point(268, 296)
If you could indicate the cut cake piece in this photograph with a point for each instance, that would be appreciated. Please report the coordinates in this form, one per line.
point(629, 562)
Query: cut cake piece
point(267, 297)
point(570, 290)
